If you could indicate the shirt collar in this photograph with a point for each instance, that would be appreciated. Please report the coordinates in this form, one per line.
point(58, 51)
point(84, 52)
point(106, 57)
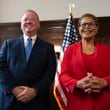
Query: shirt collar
point(32, 37)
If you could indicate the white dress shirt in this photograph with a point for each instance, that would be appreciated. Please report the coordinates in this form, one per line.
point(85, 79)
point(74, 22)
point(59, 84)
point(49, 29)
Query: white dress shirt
point(33, 39)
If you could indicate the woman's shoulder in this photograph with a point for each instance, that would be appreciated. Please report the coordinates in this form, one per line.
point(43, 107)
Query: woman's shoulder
point(102, 45)
point(73, 46)
point(72, 49)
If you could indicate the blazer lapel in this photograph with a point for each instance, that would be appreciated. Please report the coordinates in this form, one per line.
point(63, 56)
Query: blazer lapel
point(97, 58)
point(80, 59)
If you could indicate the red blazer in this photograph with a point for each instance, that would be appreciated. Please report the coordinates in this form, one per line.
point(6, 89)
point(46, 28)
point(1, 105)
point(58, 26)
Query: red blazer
point(73, 69)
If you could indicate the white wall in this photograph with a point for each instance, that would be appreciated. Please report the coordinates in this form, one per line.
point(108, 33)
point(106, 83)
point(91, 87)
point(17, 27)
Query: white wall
point(11, 10)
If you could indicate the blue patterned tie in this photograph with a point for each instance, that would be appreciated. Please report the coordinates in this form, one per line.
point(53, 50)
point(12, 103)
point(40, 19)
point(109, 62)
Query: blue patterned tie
point(28, 48)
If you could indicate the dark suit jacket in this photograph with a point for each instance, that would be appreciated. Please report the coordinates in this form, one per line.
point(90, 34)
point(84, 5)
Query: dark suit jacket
point(38, 72)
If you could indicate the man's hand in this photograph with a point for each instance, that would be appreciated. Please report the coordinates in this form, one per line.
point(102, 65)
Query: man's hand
point(17, 90)
point(27, 94)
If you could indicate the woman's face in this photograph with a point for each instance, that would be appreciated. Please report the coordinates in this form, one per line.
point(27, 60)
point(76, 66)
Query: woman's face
point(87, 28)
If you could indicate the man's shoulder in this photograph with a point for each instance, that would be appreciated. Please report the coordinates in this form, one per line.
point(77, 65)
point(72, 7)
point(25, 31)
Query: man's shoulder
point(13, 39)
point(44, 42)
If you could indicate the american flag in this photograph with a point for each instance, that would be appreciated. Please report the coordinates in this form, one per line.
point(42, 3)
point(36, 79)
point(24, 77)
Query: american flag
point(70, 37)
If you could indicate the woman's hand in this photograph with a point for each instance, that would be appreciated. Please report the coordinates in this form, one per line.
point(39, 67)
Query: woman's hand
point(91, 83)
point(84, 83)
point(98, 83)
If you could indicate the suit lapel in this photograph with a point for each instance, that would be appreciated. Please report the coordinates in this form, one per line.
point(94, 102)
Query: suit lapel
point(21, 50)
point(35, 49)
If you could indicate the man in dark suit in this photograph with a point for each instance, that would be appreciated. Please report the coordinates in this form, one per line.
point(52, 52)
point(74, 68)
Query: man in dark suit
point(25, 83)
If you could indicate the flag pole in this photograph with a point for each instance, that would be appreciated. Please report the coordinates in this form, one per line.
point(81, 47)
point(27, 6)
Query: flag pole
point(70, 37)
point(71, 7)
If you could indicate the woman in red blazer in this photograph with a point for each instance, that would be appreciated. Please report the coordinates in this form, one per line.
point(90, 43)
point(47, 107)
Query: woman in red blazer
point(85, 70)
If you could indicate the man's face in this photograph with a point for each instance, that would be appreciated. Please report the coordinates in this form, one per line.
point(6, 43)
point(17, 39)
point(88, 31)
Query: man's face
point(30, 23)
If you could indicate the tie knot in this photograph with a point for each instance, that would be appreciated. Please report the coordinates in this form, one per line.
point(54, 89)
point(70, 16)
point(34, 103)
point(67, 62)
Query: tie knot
point(29, 39)
point(29, 42)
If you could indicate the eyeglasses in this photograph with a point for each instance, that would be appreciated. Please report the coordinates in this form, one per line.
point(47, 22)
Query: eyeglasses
point(90, 24)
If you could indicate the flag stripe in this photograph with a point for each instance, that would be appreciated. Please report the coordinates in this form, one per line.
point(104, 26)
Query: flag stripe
point(58, 85)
